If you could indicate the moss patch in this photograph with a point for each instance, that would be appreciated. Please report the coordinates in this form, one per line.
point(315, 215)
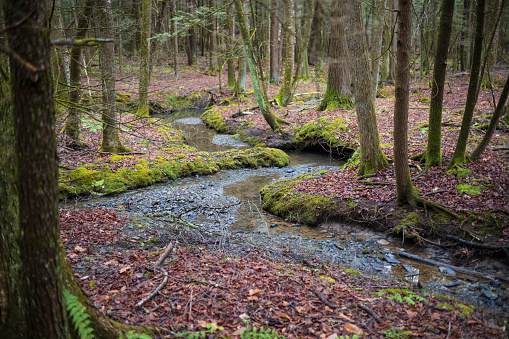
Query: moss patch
point(334, 133)
point(213, 119)
point(281, 199)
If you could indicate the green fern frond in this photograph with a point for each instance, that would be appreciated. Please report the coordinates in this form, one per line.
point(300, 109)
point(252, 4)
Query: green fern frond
point(78, 316)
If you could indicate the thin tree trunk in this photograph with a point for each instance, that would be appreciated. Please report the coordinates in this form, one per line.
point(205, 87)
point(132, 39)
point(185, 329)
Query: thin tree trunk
point(433, 153)
point(73, 122)
point(463, 36)
point(229, 40)
point(175, 49)
point(499, 110)
point(272, 119)
point(274, 43)
point(111, 139)
point(372, 157)
point(459, 156)
point(406, 192)
point(377, 43)
point(289, 28)
point(154, 43)
point(143, 107)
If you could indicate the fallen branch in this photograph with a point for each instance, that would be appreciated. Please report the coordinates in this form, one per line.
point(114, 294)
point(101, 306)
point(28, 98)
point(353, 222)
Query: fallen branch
point(434, 192)
point(366, 182)
point(481, 246)
point(455, 268)
point(371, 313)
point(159, 262)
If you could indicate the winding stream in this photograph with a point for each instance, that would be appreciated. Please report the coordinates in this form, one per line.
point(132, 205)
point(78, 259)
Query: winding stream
point(358, 246)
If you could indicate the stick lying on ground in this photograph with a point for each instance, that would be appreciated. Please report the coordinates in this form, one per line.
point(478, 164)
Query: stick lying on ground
point(158, 267)
point(455, 268)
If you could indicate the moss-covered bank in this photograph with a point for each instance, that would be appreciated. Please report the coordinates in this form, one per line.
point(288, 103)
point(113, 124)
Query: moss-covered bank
point(119, 173)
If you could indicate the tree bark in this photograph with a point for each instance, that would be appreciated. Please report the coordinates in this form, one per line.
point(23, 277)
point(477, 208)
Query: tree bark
point(433, 153)
point(289, 28)
point(274, 43)
point(73, 122)
point(175, 47)
point(143, 107)
point(231, 63)
point(406, 192)
point(158, 29)
point(272, 119)
point(338, 93)
point(372, 158)
point(499, 110)
point(111, 139)
point(459, 156)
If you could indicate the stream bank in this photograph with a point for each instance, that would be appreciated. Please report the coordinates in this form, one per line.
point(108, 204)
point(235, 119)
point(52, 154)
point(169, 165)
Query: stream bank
point(228, 203)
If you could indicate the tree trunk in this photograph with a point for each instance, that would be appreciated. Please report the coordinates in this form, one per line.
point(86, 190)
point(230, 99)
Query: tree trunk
point(73, 122)
point(272, 119)
point(289, 28)
point(213, 65)
point(274, 43)
point(459, 156)
point(433, 154)
point(372, 157)
point(31, 289)
point(287, 90)
point(492, 28)
point(175, 49)
point(338, 92)
point(154, 43)
point(240, 85)
point(406, 192)
point(60, 56)
point(463, 36)
point(499, 110)
point(111, 139)
point(376, 46)
point(231, 63)
point(143, 108)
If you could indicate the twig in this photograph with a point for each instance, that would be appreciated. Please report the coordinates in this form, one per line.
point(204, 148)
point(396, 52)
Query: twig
point(366, 182)
point(481, 246)
point(162, 258)
point(371, 313)
point(420, 174)
point(434, 192)
point(435, 243)
point(322, 298)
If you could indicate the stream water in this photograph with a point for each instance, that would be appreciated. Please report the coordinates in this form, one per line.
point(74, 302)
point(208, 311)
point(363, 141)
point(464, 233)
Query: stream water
point(352, 245)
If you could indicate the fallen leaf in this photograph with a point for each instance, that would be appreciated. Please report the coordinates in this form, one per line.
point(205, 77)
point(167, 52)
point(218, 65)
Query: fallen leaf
point(411, 314)
point(332, 336)
point(341, 315)
point(353, 329)
point(253, 292)
point(125, 268)
point(283, 315)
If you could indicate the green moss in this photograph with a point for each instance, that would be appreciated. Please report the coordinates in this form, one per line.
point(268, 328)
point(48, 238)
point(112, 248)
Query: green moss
point(213, 119)
point(115, 158)
point(446, 305)
point(254, 157)
point(353, 272)
point(470, 189)
point(322, 130)
point(412, 219)
point(465, 310)
point(282, 199)
point(83, 176)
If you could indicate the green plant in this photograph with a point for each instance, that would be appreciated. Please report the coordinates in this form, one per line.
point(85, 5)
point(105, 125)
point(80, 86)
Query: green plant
point(401, 295)
point(253, 333)
point(210, 328)
point(355, 336)
point(394, 333)
point(134, 335)
point(78, 316)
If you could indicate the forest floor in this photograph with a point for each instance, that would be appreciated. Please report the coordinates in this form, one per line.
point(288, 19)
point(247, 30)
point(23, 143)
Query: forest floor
point(237, 285)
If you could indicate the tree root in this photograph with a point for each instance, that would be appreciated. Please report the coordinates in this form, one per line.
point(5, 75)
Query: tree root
point(436, 207)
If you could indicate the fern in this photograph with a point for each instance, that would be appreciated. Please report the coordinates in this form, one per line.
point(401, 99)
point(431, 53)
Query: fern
point(259, 334)
point(78, 316)
point(134, 335)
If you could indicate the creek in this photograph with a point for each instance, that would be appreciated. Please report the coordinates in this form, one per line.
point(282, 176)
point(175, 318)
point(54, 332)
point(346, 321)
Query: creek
point(229, 201)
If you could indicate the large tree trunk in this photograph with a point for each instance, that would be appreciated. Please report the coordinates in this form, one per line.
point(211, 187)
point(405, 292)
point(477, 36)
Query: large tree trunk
point(459, 156)
point(463, 36)
point(143, 108)
point(73, 122)
point(372, 157)
point(272, 119)
point(33, 294)
point(406, 192)
point(111, 139)
point(338, 92)
point(433, 154)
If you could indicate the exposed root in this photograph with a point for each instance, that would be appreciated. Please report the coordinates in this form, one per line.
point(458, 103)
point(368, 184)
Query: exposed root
point(436, 207)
